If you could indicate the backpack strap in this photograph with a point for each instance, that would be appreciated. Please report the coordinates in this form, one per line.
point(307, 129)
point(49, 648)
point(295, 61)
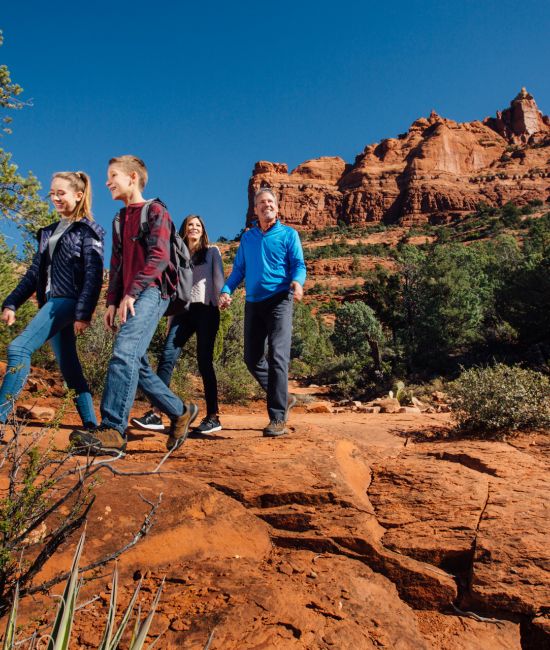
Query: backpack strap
point(143, 220)
point(118, 229)
point(143, 217)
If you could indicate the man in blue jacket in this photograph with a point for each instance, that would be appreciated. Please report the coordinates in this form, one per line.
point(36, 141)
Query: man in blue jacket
point(271, 262)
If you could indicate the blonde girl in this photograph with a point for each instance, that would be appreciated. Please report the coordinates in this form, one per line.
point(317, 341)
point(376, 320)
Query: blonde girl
point(66, 274)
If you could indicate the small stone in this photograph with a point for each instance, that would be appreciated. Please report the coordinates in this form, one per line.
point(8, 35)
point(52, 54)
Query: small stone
point(409, 409)
point(420, 405)
point(369, 409)
point(23, 411)
point(285, 568)
point(389, 405)
point(42, 413)
point(177, 625)
point(319, 407)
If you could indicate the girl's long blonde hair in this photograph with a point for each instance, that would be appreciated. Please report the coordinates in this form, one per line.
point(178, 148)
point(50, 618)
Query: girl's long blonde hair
point(79, 182)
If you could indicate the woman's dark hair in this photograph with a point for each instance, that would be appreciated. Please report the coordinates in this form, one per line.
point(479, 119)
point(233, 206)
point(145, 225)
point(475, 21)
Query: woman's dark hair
point(199, 256)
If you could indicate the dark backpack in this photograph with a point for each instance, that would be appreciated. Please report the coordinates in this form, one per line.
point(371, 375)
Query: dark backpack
point(180, 264)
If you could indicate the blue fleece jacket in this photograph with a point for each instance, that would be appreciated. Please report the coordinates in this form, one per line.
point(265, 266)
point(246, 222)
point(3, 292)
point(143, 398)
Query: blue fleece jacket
point(268, 262)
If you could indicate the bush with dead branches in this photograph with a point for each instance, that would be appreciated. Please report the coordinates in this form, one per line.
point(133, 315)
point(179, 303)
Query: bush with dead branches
point(46, 494)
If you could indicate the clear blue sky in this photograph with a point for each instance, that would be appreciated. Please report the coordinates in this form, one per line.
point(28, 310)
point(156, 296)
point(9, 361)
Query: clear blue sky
point(202, 90)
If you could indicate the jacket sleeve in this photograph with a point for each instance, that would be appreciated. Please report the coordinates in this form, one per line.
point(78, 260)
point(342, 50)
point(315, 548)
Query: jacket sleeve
point(26, 287)
point(92, 258)
point(217, 271)
point(114, 291)
point(296, 259)
point(158, 250)
point(237, 273)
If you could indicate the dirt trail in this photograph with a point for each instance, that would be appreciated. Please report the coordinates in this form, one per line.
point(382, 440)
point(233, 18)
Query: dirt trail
point(339, 535)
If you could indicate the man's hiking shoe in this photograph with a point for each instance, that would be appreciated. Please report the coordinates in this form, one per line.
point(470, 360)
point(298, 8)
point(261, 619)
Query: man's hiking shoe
point(179, 427)
point(150, 422)
point(101, 441)
point(209, 424)
point(275, 428)
point(290, 404)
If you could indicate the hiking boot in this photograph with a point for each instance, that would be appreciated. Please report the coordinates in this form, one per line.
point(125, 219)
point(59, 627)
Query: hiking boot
point(100, 441)
point(290, 404)
point(209, 424)
point(275, 428)
point(179, 427)
point(150, 422)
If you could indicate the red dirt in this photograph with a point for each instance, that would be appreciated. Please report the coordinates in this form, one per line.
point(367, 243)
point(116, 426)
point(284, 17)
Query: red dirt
point(279, 543)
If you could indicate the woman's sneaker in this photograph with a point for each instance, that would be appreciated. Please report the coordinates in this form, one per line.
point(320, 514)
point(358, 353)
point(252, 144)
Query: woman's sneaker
point(150, 421)
point(209, 424)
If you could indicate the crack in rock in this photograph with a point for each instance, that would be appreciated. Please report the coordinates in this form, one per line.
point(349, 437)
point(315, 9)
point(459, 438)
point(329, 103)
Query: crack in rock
point(464, 459)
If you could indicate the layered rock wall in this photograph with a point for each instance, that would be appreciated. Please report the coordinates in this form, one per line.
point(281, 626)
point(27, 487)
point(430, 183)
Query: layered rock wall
point(437, 169)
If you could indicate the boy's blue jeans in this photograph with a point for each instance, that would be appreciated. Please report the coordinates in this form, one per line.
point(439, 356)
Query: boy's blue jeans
point(54, 323)
point(129, 366)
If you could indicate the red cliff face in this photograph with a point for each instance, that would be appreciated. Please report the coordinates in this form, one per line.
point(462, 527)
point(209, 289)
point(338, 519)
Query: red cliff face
point(436, 169)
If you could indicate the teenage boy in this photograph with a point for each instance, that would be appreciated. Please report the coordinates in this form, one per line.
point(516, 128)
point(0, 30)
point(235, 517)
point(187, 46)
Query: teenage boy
point(140, 284)
point(271, 262)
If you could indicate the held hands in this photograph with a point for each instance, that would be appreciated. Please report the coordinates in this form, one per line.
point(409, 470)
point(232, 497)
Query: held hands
point(8, 316)
point(224, 300)
point(298, 290)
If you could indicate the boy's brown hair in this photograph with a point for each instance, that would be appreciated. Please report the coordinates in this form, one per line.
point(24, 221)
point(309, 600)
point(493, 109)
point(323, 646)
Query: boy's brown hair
point(131, 164)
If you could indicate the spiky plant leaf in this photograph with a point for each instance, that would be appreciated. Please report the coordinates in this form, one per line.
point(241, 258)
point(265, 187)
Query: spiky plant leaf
point(124, 622)
point(137, 643)
point(109, 624)
point(61, 632)
point(9, 635)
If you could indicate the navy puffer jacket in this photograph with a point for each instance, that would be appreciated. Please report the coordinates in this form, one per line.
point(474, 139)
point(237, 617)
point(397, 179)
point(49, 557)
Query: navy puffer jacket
point(76, 268)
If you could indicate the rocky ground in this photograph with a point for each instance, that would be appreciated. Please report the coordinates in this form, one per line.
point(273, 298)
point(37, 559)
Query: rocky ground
point(358, 530)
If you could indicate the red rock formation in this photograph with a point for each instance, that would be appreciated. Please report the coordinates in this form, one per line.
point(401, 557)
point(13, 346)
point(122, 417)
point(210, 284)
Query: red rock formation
point(521, 121)
point(437, 169)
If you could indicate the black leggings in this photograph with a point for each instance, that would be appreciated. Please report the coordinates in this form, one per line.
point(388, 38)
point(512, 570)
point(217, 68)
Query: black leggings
point(204, 320)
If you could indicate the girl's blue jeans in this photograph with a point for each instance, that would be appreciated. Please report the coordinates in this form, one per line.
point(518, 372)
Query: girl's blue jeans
point(54, 323)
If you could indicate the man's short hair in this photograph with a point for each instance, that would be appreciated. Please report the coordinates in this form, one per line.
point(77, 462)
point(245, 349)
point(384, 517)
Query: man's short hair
point(265, 190)
point(131, 164)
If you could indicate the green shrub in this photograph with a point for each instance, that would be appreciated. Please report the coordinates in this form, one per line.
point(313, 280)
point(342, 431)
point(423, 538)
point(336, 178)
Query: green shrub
point(9, 278)
point(235, 383)
point(95, 347)
point(311, 347)
point(500, 400)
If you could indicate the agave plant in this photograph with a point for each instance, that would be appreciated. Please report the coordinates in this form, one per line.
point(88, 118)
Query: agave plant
point(59, 637)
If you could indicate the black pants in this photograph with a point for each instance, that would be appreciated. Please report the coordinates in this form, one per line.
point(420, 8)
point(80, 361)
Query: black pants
point(270, 321)
point(204, 320)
